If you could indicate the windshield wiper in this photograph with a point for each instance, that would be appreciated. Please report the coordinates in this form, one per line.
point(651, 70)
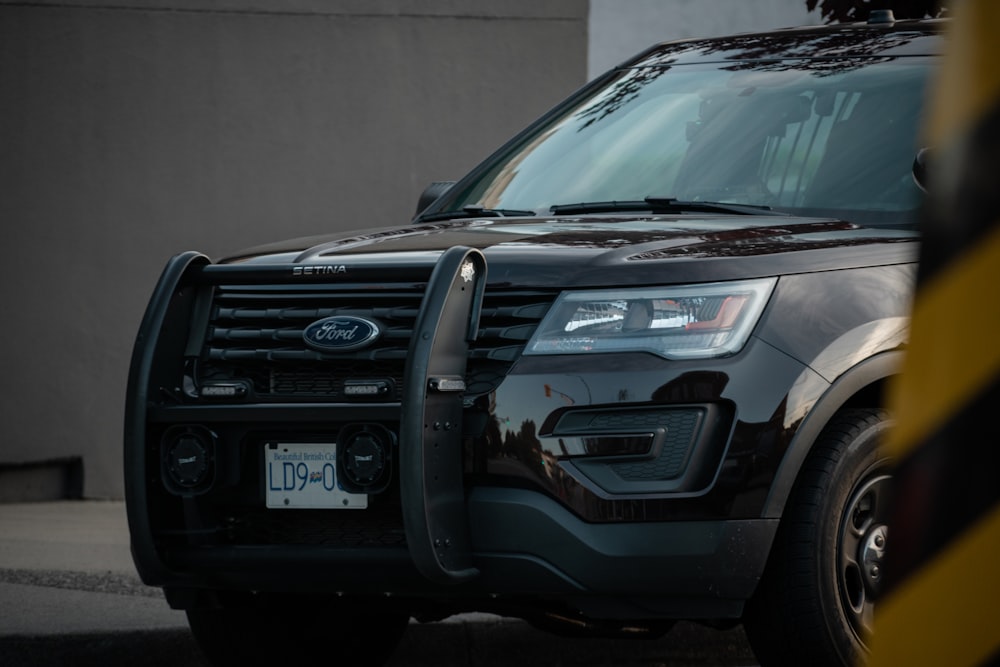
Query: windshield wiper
point(661, 205)
point(473, 212)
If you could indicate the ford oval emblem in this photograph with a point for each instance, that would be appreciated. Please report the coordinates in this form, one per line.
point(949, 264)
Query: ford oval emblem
point(340, 334)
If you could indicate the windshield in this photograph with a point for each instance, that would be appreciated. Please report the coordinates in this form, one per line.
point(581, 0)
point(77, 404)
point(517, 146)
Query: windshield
point(832, 139)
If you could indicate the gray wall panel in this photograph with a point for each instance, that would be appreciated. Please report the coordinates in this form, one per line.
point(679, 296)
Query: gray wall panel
point(130, 131)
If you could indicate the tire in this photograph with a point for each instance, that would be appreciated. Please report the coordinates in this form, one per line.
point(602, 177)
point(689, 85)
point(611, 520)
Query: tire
point(814, 603)
point(292, 631)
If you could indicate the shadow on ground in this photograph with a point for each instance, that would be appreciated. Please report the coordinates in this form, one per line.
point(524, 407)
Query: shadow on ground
point(498, 644)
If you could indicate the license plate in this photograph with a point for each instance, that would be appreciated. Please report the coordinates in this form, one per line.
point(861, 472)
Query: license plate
point(304, 475)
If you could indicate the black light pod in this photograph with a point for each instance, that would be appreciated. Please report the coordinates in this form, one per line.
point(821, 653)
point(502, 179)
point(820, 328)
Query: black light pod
point(187, 459)
point(364, 458)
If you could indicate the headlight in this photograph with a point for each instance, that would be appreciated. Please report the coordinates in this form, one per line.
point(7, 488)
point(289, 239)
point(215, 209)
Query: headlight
point(683, 322)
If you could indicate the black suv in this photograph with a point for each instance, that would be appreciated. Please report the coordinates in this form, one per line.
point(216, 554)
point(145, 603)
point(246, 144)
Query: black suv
point(629, 370)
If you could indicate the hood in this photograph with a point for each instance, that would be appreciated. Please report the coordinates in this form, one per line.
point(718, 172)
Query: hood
point(601, 250)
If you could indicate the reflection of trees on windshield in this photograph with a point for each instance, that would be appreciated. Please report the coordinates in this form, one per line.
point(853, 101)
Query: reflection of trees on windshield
point(754, 119)
point(841, 52)
point(621, 93)
point(847, 11)
point(763, 53)
point(771, 51)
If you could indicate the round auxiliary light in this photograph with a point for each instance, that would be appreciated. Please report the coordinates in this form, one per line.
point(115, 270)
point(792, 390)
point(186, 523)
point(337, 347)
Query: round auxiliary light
point(364, 458)
point(187, 459)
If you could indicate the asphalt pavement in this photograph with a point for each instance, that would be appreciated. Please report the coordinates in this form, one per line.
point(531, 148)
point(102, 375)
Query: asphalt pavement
point(70, 595)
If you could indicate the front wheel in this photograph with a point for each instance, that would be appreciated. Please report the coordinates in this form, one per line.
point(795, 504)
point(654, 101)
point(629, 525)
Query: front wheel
point(814, 603)
point(294, 630)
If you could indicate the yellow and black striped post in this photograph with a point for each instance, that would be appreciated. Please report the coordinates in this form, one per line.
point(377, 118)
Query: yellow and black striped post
point(941, 602)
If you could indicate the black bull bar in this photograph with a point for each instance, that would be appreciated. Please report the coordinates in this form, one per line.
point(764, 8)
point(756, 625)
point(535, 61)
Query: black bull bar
point(430, 439)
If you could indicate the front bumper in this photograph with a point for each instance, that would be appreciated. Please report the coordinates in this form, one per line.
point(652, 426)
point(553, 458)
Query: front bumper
point(524, 545)
point(461, 531)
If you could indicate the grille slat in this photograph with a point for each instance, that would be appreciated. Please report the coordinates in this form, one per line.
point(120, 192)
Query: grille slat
point(522, 332)
point(256, 334)
point(224, 334)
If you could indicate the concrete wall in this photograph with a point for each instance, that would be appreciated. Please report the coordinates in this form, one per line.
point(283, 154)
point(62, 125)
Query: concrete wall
point(622, 28)
point(131, 130)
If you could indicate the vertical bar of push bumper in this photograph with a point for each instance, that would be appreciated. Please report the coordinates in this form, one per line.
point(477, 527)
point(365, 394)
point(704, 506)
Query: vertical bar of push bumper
point(434, 511)
point(147, 561)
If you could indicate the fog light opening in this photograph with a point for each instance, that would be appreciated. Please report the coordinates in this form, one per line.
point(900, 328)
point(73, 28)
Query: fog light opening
point(618, 444)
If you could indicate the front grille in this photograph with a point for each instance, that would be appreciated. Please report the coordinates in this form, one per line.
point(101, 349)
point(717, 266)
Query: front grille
point(254, 335)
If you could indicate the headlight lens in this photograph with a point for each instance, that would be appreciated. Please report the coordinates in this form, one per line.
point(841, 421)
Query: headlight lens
point(674, 322)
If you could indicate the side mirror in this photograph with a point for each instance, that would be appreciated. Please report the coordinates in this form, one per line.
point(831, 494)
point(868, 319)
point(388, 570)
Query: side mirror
point(920, 165)
point(431, 193)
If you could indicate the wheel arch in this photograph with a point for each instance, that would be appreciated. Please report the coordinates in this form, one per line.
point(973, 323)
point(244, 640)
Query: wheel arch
point(862, 385)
